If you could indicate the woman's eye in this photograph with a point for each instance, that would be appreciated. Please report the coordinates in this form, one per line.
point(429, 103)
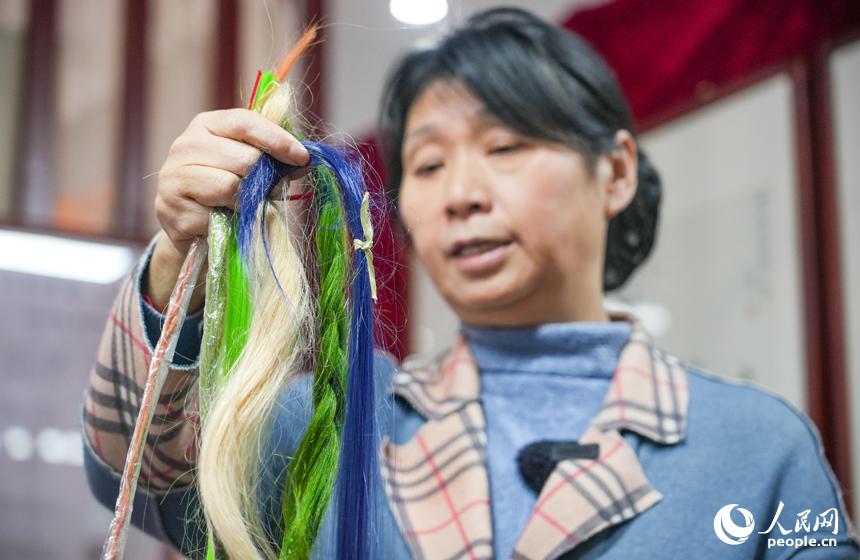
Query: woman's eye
point(428, 169)
point(506, 148)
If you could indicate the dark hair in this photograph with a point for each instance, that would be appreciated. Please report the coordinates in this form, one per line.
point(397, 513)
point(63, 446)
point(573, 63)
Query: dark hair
point(541, 81)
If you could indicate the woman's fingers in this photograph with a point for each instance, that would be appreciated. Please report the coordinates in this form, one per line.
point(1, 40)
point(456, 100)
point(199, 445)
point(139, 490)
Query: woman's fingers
point(182, 219)
point(251, 128)
point(207, 163)
point(208, 186)
point(202, 148)
point(185, 196)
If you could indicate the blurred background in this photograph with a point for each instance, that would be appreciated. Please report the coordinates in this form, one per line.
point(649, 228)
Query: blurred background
point(749, 109)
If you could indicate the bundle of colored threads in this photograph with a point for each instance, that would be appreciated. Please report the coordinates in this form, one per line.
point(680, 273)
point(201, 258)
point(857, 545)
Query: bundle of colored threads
point(275, 304)
point(337, 454)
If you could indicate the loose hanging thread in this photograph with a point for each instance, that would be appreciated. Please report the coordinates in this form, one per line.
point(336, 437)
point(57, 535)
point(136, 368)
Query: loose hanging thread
point(367, 244)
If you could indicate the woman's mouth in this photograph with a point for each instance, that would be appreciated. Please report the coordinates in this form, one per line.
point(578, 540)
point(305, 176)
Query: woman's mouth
point(480, 255)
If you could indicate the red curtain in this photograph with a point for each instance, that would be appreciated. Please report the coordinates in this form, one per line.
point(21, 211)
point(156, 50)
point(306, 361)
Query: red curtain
point(662, 51)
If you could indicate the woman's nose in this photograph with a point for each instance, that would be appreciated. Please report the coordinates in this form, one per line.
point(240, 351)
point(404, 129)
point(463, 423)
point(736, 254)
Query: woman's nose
point(468, 190)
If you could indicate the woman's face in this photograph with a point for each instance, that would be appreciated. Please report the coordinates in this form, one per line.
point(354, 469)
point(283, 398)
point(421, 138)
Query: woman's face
point(511, 229)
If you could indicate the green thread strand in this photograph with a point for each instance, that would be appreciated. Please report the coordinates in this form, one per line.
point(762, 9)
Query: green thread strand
point(313, 471)
point(237, 319)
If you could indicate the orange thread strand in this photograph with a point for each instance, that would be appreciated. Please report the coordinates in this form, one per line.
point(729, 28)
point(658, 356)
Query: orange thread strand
point(308, 37)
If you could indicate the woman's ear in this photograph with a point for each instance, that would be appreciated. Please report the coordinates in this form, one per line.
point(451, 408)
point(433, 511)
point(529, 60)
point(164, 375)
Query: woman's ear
point(625, 168)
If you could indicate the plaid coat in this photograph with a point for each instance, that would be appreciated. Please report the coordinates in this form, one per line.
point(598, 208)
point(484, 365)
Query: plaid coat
point(437, 482)
point(117, 383)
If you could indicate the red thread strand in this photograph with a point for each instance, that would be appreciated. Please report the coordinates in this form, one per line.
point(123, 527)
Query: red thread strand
point(254, 93)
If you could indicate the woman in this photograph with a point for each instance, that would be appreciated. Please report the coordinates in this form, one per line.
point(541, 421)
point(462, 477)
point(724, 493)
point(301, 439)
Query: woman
point(550, 430)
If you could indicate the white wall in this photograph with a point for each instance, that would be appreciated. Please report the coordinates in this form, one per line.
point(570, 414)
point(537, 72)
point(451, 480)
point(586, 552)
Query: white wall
point(726, 270)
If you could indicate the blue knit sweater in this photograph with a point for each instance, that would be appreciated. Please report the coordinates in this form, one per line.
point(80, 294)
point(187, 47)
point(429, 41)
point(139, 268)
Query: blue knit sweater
point(526, 376)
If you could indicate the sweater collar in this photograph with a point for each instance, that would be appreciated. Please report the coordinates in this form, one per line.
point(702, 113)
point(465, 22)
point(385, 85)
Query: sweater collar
point(648, 394)
point(582, 350)
point(554, 339)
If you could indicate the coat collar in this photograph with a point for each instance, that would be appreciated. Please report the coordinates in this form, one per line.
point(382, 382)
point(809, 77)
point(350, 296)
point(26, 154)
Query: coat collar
point(648, 395)
point(437, 482)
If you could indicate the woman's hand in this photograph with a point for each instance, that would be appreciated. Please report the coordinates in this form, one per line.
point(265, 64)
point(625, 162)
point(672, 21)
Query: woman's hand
point(203, 170)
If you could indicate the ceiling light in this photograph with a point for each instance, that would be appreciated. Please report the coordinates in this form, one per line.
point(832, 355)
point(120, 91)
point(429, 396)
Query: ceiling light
point(60, 448)
point(419, 12)
point(46, 255)
point(18, 443)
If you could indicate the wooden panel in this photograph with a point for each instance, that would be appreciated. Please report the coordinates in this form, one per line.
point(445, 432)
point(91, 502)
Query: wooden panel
point(129, 214)
point(227, 60)
point(315, 98)
point(34, 201)
point(819, 223)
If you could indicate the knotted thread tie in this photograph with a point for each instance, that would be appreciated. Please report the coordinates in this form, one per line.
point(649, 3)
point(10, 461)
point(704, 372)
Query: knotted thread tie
point(367, 244)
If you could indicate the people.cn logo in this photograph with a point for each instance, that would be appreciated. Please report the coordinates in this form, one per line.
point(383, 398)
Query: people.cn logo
point(725, 528)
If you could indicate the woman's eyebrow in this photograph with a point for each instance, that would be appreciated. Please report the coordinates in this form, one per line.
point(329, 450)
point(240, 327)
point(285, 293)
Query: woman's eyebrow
point(485, 120)
point(482, 115)
point(426, 129)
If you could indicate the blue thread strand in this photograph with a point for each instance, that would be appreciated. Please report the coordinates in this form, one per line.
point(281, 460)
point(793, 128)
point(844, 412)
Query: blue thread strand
point(255, 192)
point(358, 467)
point(358, 458)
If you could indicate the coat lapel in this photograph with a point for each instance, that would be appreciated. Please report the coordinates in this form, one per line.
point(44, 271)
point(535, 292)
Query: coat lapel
point(583, 497)
point(649, 393)
point(437, 482)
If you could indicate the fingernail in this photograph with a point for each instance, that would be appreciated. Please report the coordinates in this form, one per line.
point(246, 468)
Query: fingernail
point(299, 154)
